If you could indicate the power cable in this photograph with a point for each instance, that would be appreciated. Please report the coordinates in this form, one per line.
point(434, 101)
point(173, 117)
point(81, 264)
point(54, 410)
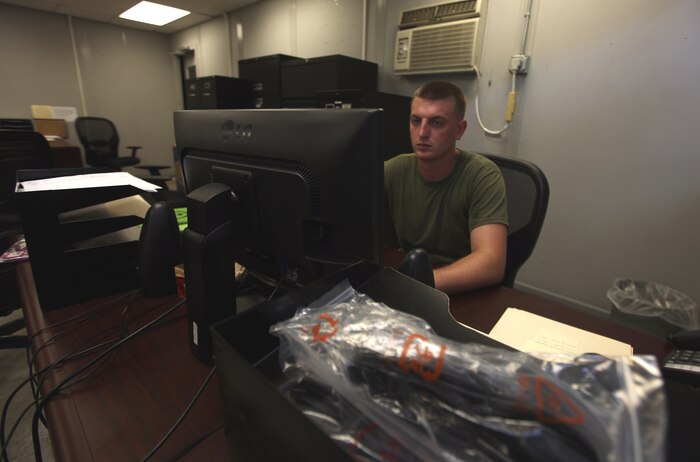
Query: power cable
point(182, 416)
point(69, 356)
point(510, 106)
point(42, 403)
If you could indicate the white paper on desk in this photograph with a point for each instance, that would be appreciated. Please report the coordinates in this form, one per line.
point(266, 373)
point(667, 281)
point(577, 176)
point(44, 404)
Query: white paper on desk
point(531, 333)
point(90, 180)
point(467, 326)
point(67, 113)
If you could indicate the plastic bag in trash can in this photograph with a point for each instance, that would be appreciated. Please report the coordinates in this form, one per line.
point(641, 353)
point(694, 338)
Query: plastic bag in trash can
point(645, 298)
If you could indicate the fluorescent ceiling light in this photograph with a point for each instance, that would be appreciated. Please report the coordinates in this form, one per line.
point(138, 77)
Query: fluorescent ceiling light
point(153, 13)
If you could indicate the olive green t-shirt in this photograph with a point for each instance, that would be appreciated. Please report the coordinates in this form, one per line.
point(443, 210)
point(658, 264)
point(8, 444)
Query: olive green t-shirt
point(438, 216)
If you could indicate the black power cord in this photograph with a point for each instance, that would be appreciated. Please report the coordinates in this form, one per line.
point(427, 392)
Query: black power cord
point(74, 354)
point(182, 416)
point(193, 445)
point(83, 316)
point(42, 403)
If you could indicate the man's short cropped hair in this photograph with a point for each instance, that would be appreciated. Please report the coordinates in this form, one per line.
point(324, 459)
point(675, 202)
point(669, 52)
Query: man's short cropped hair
point(439, 89)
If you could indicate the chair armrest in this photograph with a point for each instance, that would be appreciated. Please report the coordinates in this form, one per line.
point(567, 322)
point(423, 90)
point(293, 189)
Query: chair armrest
point(133, 150)
point(153, 169)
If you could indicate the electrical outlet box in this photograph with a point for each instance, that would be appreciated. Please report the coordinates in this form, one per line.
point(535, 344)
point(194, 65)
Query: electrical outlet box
point(519, 64)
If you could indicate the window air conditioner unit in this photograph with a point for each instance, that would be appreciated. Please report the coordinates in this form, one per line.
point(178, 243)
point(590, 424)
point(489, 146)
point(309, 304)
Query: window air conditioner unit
point(440, 39)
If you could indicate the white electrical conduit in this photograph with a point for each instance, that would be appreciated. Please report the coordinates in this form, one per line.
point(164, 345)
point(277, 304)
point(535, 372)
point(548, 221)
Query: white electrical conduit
point(526, 26)
point(510, 105)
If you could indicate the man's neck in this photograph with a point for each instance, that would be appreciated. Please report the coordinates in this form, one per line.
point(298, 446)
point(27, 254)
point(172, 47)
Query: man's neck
point(437, 169)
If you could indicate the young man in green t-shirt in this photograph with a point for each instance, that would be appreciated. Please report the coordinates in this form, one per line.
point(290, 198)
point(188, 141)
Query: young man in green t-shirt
point(449, 202)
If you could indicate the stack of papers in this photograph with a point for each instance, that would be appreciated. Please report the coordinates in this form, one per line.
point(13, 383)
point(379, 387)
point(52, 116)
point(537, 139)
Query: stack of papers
point(531, 333)
point(91, 180)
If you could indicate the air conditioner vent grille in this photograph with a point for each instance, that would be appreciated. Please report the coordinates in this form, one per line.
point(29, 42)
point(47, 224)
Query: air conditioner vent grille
point(446, 47)
point(439, 13)
point(442, 38)
point(413, 17)
point(456, 8)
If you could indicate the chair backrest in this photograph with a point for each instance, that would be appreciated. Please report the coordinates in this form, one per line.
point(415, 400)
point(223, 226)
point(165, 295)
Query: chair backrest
point(99, 138)
point(16, 124)
point(527, 192)
point(19, 150)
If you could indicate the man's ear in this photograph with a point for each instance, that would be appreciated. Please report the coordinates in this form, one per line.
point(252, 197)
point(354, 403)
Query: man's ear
point(461, 128)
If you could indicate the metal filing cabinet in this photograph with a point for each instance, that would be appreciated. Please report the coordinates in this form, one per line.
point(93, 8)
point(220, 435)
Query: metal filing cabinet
point(302, 79)
point(266, 74)
point(397, 109)
point(219, 92)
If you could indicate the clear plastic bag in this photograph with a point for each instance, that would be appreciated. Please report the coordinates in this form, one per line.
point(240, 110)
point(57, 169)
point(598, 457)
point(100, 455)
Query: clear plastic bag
point(383, 385)
point(651, 299)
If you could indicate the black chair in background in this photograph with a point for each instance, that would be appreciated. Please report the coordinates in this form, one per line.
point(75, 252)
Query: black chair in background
point(16, 124)
point(100, 141)
point(19, 150)
point(527, 191)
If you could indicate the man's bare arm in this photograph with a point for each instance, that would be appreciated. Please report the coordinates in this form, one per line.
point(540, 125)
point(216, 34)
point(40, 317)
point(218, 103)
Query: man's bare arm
point(484, 266)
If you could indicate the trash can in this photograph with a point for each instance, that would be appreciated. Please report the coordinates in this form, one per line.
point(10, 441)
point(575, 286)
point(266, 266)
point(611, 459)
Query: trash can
point(652, 307)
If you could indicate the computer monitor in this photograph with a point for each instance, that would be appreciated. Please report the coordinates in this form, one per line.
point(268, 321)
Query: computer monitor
point(308, 184)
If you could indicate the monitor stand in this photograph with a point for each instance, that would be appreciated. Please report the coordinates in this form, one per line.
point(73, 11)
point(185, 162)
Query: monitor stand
point(208, 254)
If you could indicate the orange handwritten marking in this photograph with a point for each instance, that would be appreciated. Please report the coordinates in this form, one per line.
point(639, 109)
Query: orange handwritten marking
point(322, 337)
point(549, 403)
point(559, 407)
point(425, 364)
point(389, 453)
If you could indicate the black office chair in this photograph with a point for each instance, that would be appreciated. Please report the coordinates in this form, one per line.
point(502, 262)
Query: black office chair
point(19, 150)
point(527, 191)
point(100, 141)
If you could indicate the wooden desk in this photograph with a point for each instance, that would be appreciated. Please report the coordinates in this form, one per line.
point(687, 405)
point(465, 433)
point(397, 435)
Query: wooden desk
point(65, 155)
point(132, 399)
point(124, 408)
point(481, 309)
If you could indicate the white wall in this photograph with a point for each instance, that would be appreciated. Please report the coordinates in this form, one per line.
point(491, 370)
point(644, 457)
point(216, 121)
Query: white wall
point(209, 42)
point(39, 68)
point(127, 75)
point(303, 28)
point(611, 118)
point(38, 57)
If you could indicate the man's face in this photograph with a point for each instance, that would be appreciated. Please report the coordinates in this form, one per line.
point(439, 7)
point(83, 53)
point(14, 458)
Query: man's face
point(435, 128)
